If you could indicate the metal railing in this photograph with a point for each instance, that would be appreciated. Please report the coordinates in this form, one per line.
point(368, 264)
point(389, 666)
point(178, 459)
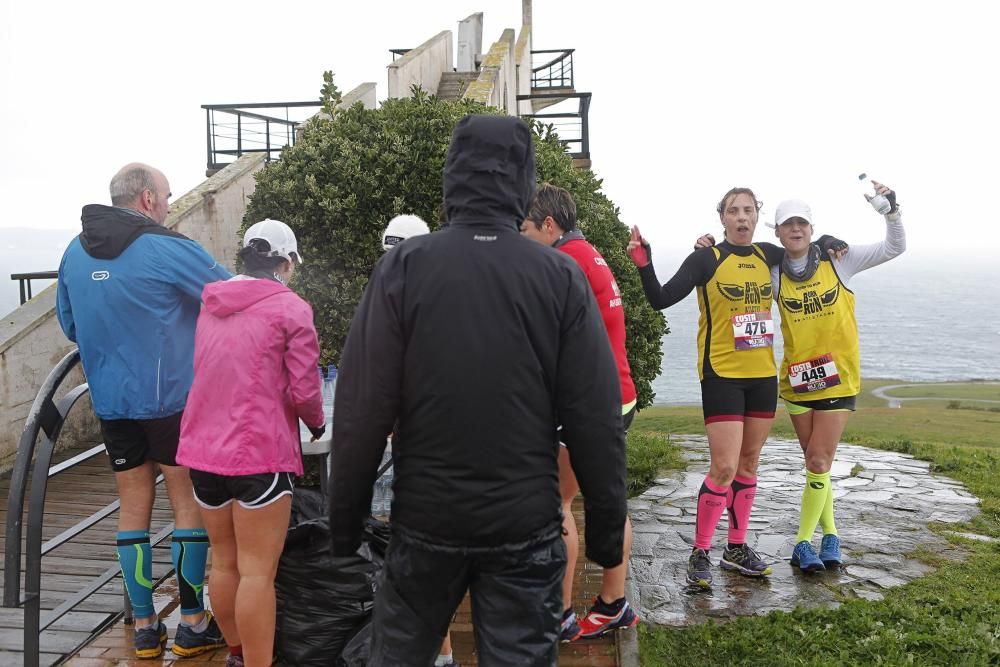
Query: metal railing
point(572, 126)
point(24, 282)
point(554, 72)
point(398, 53)
point(238, 131)
point(47, 417)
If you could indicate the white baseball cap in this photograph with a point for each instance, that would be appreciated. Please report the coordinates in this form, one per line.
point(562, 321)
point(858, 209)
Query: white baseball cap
point(401, 228)
point(792, 208)
point(278, 235)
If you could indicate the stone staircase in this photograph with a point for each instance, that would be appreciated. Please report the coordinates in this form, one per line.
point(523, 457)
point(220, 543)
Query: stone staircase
point(453, 84)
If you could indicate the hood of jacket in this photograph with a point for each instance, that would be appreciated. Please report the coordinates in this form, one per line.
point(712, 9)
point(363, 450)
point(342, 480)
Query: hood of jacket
point(489, 174)
point(109, 230)
point(224, 298)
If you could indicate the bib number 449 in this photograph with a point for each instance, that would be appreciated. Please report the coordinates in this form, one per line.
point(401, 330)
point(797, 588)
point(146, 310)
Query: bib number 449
point(813, 374)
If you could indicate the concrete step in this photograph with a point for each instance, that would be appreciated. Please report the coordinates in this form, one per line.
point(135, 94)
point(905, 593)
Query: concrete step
point(454, 84)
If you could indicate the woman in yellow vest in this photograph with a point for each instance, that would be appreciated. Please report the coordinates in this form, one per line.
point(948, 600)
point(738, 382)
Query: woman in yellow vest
point(820, 374)
point(736, 368)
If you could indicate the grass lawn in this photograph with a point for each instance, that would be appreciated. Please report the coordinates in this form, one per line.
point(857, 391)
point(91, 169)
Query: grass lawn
point(950, 617)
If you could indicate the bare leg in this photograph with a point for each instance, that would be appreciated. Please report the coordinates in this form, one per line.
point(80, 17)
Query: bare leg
point(136, 490)
point(568, 488)
point(613, 583)
point(725, 440)
point(755, 432)
point(824, 434)
point(260, 536)
point(225, 576)
point(186, 511)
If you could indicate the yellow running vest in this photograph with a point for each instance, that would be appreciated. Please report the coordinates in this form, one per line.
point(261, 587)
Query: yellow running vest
point(821, 337)
point(735, 329)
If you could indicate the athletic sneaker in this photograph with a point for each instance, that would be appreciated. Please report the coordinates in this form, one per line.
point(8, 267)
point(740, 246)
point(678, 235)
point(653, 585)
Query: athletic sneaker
point(745, 560)
point(234, 661)
point(805, 558)
point(569, 630)
point(188, 643)
point(150, 640)
point(604, 618)
point(699, 570)
point(829, 551)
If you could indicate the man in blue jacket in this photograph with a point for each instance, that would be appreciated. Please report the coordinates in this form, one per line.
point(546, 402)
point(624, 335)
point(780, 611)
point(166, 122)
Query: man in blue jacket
point(129, 293)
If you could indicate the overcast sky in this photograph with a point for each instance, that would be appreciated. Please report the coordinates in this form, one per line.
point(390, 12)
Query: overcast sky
point(793, 99)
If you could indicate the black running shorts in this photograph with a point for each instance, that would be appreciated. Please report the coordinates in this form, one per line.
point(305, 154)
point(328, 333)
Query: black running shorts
point(733, 399)
point(130, 442)
point(250, 491)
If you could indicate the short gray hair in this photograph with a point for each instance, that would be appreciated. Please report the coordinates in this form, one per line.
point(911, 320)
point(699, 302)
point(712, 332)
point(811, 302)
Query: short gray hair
point(128, 184)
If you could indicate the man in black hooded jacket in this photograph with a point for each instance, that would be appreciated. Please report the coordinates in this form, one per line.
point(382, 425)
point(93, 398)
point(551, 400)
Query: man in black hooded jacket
point(480, 342)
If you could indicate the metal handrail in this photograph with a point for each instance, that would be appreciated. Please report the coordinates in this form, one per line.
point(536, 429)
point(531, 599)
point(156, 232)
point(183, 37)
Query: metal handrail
point(24, 282)
point(278, 132)
point(47, 417)
point(556, 73)
point(572, 127)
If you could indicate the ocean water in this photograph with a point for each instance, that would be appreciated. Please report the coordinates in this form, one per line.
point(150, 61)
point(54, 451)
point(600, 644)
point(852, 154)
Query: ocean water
point(921, 317)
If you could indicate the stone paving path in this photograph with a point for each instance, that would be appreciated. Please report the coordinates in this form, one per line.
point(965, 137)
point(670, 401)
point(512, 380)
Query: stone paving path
point(882, 514)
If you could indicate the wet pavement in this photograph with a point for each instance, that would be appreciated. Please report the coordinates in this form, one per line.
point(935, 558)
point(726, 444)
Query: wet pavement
point(882, 509)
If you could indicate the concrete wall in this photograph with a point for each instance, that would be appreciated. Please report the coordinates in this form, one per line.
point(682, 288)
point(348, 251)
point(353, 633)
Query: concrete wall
point(470, 43)
point(31, 342)
point(496, 85)
point(422, 66)
point(522, 60)
point(212, 213)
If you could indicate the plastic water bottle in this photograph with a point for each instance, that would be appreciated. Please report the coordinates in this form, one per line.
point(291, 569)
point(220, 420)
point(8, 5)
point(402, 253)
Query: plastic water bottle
point(329, 388)
point(879, 202)
point(382, 493)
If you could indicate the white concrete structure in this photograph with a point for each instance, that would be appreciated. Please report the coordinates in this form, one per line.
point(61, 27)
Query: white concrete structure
point(422, 66)
point(470, 43)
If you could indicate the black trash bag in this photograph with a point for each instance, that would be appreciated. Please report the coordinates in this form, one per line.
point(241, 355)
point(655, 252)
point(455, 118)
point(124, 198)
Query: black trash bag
point(359, 649)
point(322, 601)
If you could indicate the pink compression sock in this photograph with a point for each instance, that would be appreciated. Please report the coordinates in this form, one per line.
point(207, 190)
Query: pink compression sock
point(744, 489)
point(711, 503)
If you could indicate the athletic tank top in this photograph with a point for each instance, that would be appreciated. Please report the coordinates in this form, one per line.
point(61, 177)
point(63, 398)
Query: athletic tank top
point(821, 337)
point(735, 329)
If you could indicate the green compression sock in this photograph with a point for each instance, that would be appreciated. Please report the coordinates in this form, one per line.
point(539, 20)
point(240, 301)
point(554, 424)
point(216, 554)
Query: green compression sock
point(814, 496)
point(826, 518)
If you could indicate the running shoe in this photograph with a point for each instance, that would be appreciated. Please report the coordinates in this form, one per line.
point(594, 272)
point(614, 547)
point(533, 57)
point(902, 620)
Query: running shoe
point(699, 569)
point(569, 630)
point(234, 661)
point(804, 557)
point(604, 618)
point(745, 560)
point(150, 640)
point(829, 551)
point(188, 643)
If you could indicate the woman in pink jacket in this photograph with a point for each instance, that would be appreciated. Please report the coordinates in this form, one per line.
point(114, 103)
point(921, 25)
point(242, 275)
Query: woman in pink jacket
point(255, 360)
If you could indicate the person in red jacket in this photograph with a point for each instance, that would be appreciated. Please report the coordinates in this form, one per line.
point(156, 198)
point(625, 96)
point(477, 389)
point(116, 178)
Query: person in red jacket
point(552, 221)
point(255, 359)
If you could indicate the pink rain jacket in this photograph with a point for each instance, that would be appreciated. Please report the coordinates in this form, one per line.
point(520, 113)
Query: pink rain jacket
point(255, 360)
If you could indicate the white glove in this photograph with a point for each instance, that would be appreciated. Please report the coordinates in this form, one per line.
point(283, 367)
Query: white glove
point(881, 204)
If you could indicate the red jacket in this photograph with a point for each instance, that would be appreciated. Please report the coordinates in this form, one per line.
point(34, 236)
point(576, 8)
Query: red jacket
point(255, 359)
point(609, 301)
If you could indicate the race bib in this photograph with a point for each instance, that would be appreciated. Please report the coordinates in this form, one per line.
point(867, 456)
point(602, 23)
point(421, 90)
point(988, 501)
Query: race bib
point(813, 374)
point(753, 330)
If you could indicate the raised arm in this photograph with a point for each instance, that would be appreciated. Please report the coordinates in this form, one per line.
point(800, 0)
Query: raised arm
point(862, 257)
point(691, 273)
